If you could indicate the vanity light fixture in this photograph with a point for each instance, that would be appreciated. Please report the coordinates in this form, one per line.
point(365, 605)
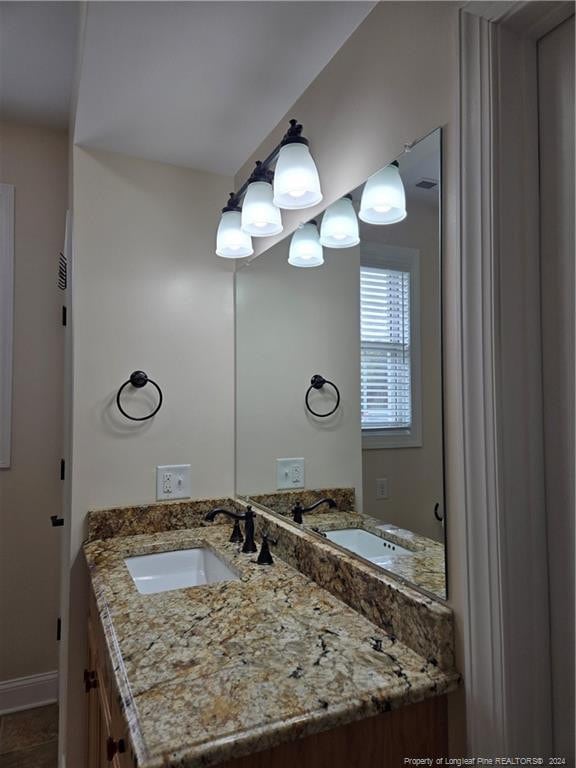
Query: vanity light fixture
point(305, 248)
point(339, 227)
point(384, 199)
point(296, 180)
point(231, 241)
point(296, 185)
point(260, 217)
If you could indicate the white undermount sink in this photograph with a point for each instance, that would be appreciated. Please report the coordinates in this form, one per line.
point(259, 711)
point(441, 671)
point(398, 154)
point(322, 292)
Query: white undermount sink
point(181, 568)
point(369, 546)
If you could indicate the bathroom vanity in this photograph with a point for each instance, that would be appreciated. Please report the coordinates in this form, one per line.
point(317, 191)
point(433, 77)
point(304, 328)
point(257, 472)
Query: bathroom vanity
point(314, 660)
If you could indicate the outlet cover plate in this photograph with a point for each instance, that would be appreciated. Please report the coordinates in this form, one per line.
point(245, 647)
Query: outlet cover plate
point(173, 482)
point(382, 488)
point(289, 473)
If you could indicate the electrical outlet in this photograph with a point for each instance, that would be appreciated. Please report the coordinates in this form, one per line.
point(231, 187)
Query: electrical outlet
point(382, 488)
point(173, 482)
point(289, 473)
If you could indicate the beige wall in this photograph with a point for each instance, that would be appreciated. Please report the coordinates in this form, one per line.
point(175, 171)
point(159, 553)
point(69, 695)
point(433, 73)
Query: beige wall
point(415, 475)
point(149, 293)
point(395, 80)
point(290, 324)
point(35, 161)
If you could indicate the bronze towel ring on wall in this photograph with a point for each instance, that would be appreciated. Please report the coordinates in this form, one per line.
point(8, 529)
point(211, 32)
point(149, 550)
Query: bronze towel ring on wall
point(139, 379)
point(317, 382)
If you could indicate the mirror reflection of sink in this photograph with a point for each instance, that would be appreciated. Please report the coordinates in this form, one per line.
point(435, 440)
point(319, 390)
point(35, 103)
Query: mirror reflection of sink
point(368, 545)
point(178, 569)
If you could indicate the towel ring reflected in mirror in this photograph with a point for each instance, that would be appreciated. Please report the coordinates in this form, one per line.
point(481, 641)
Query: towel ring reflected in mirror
point(317, 382)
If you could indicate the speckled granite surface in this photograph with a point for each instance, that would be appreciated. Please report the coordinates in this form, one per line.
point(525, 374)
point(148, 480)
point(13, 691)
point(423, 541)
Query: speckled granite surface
point(152, 518)
point(210, 673)
point(425, 568)
point(422, 622)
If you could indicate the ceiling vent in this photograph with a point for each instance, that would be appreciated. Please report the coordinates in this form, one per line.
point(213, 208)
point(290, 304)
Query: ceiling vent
point(426, 183)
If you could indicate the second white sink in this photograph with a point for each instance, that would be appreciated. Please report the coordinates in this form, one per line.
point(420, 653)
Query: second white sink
point(368, 545)
point(181, 568)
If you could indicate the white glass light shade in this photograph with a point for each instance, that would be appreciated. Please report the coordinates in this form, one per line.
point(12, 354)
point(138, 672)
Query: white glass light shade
point(231, 242)
point(260, 217)
point(339, 228)
point(296, 180)
point(305, 248)
point(383, 199)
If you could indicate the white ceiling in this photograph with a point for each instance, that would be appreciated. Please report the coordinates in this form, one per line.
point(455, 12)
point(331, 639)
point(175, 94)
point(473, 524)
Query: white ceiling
point(37, 60)
point(201, 84)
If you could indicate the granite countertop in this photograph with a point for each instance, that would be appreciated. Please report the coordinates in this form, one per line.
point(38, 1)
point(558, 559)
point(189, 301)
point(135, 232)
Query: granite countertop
point(425, 568)
point(208, 674)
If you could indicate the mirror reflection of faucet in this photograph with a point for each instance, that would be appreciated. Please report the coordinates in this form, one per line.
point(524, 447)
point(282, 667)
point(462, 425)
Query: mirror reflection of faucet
point(298, 509)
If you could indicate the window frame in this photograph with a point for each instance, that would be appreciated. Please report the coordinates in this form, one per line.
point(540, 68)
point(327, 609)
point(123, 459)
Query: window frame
point(384, 256)
point(6, 320)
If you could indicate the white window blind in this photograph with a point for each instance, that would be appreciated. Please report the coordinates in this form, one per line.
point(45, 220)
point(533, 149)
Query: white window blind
point(386, 398)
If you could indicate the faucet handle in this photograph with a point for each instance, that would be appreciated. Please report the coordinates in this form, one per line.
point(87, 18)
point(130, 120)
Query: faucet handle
point(236, 537)
point(297, 510)
point(265, 556)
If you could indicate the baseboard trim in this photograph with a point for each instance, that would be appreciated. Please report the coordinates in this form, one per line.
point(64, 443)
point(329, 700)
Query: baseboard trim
point(28, 692)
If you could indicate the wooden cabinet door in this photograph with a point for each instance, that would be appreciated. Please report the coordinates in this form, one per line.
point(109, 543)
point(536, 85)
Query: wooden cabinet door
point(118, 732)
point(95, 720)
point(108, 745)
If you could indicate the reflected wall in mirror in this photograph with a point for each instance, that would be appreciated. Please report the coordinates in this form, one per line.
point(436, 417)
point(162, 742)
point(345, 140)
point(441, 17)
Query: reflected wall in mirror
point(367, 319)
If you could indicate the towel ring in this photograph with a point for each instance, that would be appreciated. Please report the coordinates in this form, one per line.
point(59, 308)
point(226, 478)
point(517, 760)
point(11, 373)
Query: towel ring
point(139, 379)
point(317, 382)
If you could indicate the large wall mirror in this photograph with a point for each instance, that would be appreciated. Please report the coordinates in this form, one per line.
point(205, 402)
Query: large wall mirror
point(363, 311)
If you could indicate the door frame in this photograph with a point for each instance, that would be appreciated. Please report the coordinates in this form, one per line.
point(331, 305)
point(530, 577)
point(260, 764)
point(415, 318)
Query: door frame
point(506, 630)
point(64, 645)
point(6, 320)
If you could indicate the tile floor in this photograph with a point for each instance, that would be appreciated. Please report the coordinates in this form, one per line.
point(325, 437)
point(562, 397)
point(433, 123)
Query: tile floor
point(29, 739)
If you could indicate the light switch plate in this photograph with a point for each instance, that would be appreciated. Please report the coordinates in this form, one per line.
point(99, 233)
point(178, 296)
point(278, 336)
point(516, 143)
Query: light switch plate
point(289, 473)
point(173, 481)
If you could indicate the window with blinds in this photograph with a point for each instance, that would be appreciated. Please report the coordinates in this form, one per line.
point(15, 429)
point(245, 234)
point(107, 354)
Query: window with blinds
point(385, 385)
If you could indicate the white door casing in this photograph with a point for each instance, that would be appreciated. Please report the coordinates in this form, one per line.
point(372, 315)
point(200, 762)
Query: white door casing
point(66, 532)
point(506, 627)
point(556, 151)
point(6, 319)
